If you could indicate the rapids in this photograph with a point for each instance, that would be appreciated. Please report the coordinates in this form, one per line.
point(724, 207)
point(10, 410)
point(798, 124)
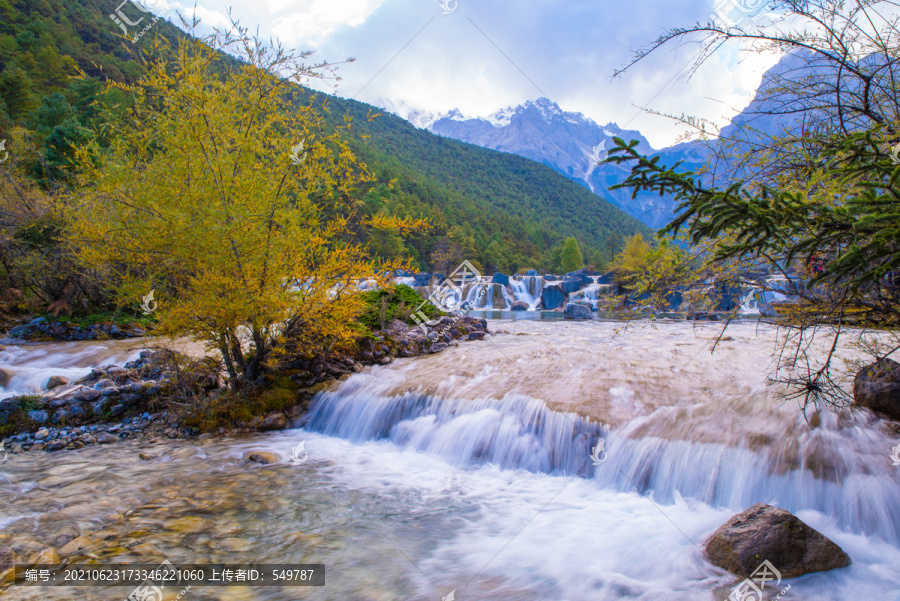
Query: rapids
point(469, 470)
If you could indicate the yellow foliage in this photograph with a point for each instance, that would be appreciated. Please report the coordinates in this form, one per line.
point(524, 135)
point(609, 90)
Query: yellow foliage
point(234, 204)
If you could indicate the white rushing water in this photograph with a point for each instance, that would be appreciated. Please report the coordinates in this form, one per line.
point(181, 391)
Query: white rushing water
point(470, 470)
point(26, 367)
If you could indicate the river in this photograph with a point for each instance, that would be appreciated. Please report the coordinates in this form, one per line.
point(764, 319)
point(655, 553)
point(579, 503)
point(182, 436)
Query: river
point(470, 471)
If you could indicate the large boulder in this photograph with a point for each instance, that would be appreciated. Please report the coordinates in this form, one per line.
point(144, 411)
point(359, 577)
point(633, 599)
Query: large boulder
point(766, 533)
point(552, 297)
point(531, 272)
point(582, 275)
point(570, 285)
point(578, 311)
point(877, 387)
point(519, 306)
point(501, 279)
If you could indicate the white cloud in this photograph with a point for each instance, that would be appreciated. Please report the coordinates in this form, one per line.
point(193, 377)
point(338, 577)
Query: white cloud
point(313, 21)
point(491, 54)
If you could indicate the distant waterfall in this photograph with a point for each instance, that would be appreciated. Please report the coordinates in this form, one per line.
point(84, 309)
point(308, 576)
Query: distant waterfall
point(528, 288)
point(591, 294)
point(486, 295)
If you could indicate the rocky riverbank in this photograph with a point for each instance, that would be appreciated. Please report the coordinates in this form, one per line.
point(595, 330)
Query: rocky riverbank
point(43, 330)
point(134, 400)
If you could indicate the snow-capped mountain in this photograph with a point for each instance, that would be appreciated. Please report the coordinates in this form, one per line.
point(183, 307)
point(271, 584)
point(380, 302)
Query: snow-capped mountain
point(573, 144)
point(540, 130)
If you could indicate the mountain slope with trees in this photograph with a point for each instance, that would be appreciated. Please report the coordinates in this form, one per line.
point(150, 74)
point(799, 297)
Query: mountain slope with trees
point(501, 211)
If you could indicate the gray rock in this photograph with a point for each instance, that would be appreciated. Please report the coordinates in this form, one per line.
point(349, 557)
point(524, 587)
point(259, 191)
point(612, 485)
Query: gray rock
point(578, 311)
point(476, 336)
point(397, 327)
point(104, 383)
point(702, 316)
point(766, 533)
point(42, 434)
point(76, 410)
point(115, 369)
point(552, 297)
point(582, 275)
point(38, 416)
point(56, 445)
point(87, 396)
point(107, 438)
point(117, 410)
point(56, 381)
point(100, 406)
point(37, 321)
point(570, 285)
point(60, 416)
point(18, 331)
point(877, 387)
point(130, 399)
point(501, 279)
point(437, 348)
point(531, 272)
point(519, 306)
point(262, 457)
point(274, 421)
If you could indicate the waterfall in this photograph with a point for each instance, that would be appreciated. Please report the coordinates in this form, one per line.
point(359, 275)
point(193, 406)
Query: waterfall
point(528, 288)
point(830, 469)
point(591, 294)
point(516, 432)
point(486, 295)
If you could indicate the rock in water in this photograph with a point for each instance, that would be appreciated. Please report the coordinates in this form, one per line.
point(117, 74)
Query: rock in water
point(766, 533)
point(552, 297)
point(519, 306)
point(262, 457)
point(570, 285)
point(576, 311)
point(877, 387)
point(500, 278)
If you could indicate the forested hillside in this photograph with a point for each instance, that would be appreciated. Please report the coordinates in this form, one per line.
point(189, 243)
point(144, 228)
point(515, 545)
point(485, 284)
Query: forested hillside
point(499, 210)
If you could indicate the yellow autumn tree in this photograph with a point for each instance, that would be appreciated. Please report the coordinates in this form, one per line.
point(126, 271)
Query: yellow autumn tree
point(230, 201)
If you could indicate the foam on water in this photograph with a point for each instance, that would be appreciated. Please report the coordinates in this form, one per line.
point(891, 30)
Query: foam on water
point(29, 366)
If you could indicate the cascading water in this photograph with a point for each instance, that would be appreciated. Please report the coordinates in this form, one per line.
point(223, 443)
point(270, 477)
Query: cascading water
point(25, 368)
point(514, 433)
point(487, 295)
point(471, 470)
point(527, 288)
point(591, 294)
point(807, 472)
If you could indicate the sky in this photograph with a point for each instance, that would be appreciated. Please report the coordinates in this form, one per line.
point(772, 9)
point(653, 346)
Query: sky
point(480, 56)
